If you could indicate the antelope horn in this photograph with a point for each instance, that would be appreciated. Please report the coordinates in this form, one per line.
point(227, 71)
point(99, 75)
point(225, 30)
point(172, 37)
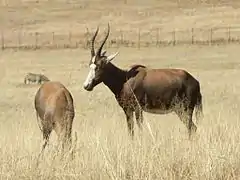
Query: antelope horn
point(92, 42)
point(105, 39)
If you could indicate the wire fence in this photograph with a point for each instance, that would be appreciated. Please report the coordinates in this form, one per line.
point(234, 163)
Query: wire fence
point(135, 38)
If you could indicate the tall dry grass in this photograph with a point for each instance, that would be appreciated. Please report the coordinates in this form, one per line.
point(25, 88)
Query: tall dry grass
point(104, 149)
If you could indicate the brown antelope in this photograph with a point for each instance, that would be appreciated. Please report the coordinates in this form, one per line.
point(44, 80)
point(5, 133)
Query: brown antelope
point(139, 89)
point(54, 105)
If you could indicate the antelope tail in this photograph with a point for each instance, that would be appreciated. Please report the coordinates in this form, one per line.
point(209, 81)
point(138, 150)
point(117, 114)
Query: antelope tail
point(39, 124)
point(199, 108)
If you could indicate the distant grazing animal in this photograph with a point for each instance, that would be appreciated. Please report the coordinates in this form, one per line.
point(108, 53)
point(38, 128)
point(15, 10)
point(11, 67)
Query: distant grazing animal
point(54, 105)
point(139, 89)
point(35, 78)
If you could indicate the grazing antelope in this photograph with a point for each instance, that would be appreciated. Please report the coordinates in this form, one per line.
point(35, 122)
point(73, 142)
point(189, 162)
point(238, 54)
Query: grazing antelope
point(35, 78)
point(139, 89)
point(54, 105)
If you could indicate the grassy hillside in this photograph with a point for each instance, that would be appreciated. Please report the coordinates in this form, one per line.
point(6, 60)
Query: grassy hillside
point(65, 15)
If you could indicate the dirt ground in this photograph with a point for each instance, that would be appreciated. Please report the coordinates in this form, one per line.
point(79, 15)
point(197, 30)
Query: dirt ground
point(104, 149)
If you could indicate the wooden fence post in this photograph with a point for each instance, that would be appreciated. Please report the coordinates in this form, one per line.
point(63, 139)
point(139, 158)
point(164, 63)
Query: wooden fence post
point(157, 37)
point(121, 40)
point(139, 38)
point(192, 36)
point(36, 40)
point(53, 40)
point(70, 39)
point(229, 34)
point(19, 40)
point(211, 35)
point(2, 40)
point(174, 37)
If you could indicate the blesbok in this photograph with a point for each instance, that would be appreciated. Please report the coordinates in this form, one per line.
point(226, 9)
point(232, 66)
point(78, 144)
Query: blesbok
point(35, 78)
point(139, 89)
point(55, 107)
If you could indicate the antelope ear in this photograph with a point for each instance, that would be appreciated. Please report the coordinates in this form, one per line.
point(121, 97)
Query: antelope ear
point(103, 53)
point(111, 57)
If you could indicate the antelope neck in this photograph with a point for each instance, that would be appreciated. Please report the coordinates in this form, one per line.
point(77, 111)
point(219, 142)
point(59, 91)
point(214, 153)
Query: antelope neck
point(114, 78)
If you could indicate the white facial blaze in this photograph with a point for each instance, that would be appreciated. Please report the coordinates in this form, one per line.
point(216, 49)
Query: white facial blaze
point(91, 75)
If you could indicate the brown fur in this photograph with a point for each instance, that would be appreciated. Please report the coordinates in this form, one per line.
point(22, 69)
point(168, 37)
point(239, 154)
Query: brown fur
point(54, 106)
point(164, 90)
point(141, 89)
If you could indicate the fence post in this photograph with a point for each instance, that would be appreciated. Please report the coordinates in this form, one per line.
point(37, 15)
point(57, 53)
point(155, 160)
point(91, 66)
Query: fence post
point(192, 35)
point(174, 37)
point(2, 40)
point(139, 38)
point(229, 34)
point(121, 40)
point(53, 39)
point(211, 35)
point(157, 37)
point(36, 40)
point(19, 40)
point(70, 38)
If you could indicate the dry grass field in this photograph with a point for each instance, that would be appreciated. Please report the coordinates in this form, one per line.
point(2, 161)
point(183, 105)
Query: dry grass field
point(104, 149)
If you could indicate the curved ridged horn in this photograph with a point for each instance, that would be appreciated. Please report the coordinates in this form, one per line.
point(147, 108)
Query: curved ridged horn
point(92, 42)
point(105, 39)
